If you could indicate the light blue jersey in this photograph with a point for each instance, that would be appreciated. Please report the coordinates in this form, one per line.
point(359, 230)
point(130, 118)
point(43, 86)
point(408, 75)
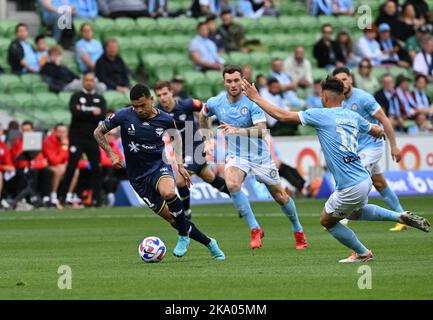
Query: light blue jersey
point(241, 114)
point(366, 106)
point(338, 130)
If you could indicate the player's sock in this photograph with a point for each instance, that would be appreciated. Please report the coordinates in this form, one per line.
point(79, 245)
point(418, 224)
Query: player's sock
point(176, 210)
point(197, 235)
point(54, 197)
point(242, 203)
point(391, 199)
point(184, 197)
point(69, 197)
point(371, 212)
point(348, 238)
point(291, 175)
point(289, 210)
point(220, 184)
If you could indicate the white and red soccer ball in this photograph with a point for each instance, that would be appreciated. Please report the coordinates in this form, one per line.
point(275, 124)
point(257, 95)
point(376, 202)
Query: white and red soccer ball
point(152, 249)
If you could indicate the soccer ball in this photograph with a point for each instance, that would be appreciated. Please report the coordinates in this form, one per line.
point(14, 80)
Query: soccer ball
point(151, 249)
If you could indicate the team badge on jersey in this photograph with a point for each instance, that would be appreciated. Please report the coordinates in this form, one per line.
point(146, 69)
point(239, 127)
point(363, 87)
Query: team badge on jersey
point(182, 117)
point(159, 131)
point(354, 107)
point(273, 173)
point(244, 110)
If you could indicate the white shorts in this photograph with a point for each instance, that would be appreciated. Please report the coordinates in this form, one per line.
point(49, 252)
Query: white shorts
point(266, 173)
point(343, 202)
point(370, 160)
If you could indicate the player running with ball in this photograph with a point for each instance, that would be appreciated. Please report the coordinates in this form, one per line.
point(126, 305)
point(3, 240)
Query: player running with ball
point(338, 130)
point(244, 125)
point(142, 129)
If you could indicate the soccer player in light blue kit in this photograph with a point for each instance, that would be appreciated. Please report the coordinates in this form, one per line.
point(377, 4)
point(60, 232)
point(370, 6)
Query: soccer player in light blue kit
point(369, 150)
point(244, 125)
point(338, 130)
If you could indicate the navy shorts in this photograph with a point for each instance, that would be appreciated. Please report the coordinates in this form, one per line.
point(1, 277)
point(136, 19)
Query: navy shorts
point(194, 167)
point(147, 188)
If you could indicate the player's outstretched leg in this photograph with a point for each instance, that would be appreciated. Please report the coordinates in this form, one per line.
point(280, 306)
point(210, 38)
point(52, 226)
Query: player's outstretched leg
point(389, 197)
point(346, 237)
point(289, 209)
point(184, 195)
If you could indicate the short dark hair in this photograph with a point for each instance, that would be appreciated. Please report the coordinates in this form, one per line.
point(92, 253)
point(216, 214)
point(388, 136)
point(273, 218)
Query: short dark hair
point(325, 25)
point(201, 23)
point(85, 24)
point(60, 124)
point(226, 11)
point(19, 25)
point(138, 91)
point(161, 84)
point(212, 17)
point(419, 76)
point(333, 84)
point(232, 69)
point(271, 80)
point(27, 122)
point(339, 70)
point(39, 37)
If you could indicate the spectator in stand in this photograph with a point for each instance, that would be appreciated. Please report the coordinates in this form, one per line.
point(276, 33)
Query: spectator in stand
point(108, 176)
point(87, 49)
point(347, 48)
point(200, 8)
point(61, 78)
point(364, 78)
point(51, 15)
point(421, 126)
point(87, 109)
point(41, 176)
point(343, 8)
point(122, 8)
point(87, 9)
point(55, 150)
point(256, 8)
point(422, 100)
point(420, 6)
point(404, 106)
point(157, 8)
point(176, 85)
point(410, 19)
point(7, 169)
point(326, 51)
point(392, 52)
point(21, 55)
point(314, 100)
point(330, 7)
point(369, 48)
point(12, 132)
point(203, 51)
point(423, 63)
point(214, 35)
point(413, 44)
point(111, 69)
point(385, 95)
point(232, 34)
point(389, 15)
point(260, 81)
point(288, 87)
point(41, 50)
point(299, 68)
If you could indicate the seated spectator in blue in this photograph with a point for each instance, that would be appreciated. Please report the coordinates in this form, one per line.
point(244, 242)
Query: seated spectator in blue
point(321, 7)
point(111, 69)
point(393, 53)
point(256, 8)
point(87, 49)
point(50, 14)
point(122, 8)
point(86, 9)
point(21, 55)
point(41, 50)
point(421, 126)
point(157, 8)
point(369, 48)
point(422, 100)
point(201, 8)
point(314, 100)
point(203, 51)
point(288, 87)
point(342, 7)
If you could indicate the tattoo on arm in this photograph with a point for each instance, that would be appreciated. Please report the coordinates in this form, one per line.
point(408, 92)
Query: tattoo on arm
point(99, 135)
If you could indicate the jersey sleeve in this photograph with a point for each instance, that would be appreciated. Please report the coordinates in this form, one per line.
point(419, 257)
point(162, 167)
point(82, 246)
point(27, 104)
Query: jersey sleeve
point(364, 125)
point(208, 108)
point(257, 114)
point(194, 105)
point(114, 120)
point(312, 117)
point(371, 105)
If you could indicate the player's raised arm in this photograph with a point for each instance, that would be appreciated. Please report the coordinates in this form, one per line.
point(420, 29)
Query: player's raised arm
point(280, 114)
point(100, 138)
point(384, 120)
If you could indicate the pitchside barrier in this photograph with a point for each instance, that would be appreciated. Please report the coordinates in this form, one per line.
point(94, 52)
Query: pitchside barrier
point(413, 175)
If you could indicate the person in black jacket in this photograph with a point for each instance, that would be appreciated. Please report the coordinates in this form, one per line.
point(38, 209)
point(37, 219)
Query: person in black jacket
point(326, 51)
point(384, 96)
point(87, 108)
point(21, 55)
point(111, 69)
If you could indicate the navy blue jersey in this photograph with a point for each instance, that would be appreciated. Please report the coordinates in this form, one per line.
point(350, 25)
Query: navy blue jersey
point(142, 140)
point(182, 113)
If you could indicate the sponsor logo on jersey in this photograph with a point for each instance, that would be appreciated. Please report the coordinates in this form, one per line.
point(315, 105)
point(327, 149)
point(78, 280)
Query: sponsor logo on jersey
point(148, 147)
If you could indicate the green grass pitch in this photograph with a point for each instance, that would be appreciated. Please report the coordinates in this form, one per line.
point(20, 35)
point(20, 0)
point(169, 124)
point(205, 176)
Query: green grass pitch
point(100, 246)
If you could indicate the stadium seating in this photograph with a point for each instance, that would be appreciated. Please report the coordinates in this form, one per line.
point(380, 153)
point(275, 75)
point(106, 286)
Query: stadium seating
point(10, 83)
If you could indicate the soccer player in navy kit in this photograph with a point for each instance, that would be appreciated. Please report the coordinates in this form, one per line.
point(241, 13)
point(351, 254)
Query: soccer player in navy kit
point(142, 129)
point(194, 155)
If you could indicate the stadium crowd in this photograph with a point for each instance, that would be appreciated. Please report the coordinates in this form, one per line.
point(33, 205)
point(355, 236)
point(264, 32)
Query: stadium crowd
point(401, 39)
